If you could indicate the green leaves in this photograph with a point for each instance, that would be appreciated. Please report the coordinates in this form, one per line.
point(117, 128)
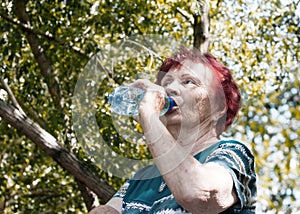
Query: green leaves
point(258, 41)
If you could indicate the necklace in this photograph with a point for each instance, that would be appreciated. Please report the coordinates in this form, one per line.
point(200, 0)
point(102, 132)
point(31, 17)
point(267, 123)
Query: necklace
point(162, 186)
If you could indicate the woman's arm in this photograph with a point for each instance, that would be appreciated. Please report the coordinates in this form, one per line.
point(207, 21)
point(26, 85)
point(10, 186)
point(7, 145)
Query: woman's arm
point(113, 206)
point(199, 188)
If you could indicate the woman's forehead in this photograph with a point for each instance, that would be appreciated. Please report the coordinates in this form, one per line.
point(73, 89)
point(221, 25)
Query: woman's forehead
point(197, 70)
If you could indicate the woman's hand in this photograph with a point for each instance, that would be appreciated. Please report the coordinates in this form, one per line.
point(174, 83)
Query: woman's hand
point(153, 100)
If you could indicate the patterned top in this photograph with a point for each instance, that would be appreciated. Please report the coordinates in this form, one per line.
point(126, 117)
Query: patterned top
point(143, 195)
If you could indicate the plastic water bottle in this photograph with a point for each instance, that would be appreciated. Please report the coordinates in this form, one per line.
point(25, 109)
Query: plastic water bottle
point(125, 100)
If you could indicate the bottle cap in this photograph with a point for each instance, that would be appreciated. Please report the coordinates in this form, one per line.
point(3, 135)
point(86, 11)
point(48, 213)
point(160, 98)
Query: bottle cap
point(172, 103)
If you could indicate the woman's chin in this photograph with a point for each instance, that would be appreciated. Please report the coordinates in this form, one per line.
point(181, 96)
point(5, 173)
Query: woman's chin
point(173, 117)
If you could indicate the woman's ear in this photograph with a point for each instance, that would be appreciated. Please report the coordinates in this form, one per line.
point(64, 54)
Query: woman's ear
point(220, 114)
point(219, 119)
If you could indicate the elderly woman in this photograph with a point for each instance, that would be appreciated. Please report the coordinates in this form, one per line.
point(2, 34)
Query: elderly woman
point(194, 171)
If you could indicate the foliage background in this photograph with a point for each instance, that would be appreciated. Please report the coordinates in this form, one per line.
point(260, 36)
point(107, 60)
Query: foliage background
point(258, 40)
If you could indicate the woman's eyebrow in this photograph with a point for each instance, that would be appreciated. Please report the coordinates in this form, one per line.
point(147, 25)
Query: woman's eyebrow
point(189, 75)
point(167, 76)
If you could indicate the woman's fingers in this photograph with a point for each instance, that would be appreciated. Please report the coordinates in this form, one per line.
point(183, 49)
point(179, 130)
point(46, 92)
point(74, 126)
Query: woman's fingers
point(148, 86)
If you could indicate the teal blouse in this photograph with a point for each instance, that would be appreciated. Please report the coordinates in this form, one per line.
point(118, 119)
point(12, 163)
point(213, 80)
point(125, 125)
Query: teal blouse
point(147, 192)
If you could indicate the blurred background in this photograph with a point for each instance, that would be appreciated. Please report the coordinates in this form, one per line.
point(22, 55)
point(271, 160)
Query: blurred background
point(49, 47)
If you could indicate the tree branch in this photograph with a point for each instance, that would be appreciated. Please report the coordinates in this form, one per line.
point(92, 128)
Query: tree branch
point(201, 27)
point(40, 56)
point(186, 15)
point(19, 105)
point(200, 21)
point(52, 148)
point(2, 204)
point(27, 28)
point(11, 95)
point(30, 111)
point(90, 199)
point(55, 91)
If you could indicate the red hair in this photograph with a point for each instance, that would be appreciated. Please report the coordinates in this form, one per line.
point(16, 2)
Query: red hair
point(230, 88)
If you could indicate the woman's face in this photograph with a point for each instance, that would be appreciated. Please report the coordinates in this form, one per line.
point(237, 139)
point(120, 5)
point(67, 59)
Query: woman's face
point(191, 88)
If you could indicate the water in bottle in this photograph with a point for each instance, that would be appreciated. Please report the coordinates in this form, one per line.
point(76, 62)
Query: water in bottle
point(125, 100)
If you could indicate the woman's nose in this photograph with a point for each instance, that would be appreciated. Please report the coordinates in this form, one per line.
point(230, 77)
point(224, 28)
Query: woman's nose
point(173, 88)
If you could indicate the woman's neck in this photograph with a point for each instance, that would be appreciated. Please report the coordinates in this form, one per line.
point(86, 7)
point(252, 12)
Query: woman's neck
point(195, 140)
point(204, 143)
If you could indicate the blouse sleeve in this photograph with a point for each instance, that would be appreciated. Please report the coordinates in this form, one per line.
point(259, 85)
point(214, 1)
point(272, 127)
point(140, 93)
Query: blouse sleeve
point(238, 159)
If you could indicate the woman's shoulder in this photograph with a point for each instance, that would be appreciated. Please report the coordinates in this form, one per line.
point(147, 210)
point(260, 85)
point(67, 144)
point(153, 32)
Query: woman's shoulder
point(236, 146)
point(234, 154)
point(224, 148)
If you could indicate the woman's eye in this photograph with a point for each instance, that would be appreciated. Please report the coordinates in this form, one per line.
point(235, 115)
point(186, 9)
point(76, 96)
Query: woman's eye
point(164, 84)
point(189, 82)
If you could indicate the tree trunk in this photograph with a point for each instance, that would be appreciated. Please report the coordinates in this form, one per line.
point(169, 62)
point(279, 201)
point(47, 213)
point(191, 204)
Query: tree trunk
point(201, 28)
point(52, 148)
point(86, 180)
point(39, 55)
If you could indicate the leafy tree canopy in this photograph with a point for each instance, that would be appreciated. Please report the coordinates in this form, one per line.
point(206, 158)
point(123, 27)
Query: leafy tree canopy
point(47, 46)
